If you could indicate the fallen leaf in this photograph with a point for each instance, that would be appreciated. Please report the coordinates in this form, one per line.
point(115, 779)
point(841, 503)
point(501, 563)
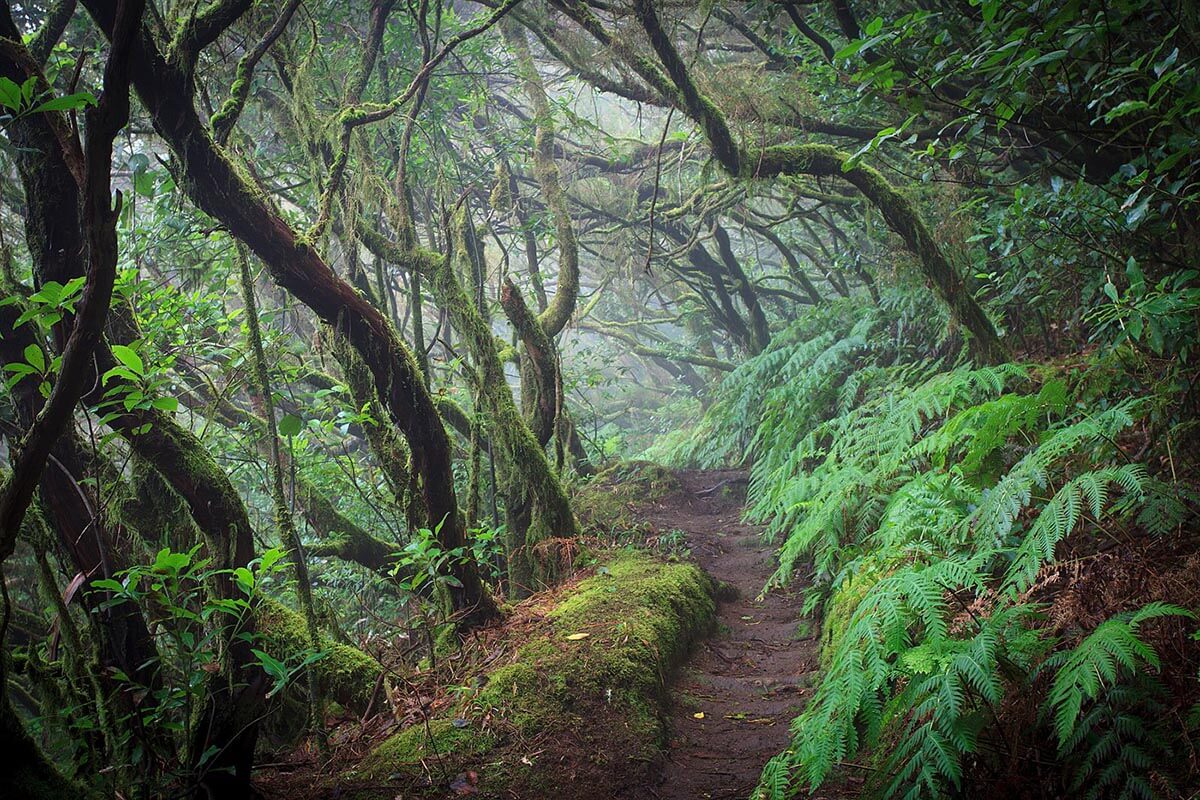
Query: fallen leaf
point(465, 783)
point(575, 637)
point(699, 715)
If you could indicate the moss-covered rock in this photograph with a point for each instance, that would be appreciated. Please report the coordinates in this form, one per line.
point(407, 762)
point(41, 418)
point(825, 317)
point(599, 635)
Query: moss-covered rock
point(588, 686)
point(346, 674)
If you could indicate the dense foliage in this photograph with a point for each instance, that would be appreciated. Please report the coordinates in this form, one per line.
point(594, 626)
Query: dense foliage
point(938, 508)
point(318, 318)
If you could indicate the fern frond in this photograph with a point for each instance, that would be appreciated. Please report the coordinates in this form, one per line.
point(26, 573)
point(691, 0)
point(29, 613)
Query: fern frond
point(1098, 661)
point(1058, 519)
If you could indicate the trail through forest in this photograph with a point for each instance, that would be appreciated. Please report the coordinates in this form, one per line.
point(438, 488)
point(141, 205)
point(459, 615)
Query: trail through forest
point(734, 698)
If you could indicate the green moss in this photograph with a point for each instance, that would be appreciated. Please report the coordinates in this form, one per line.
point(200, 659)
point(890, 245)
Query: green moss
point(639, 615)
point(412, 746)
point(346, 674)
point(608, 501)
point(844, 601)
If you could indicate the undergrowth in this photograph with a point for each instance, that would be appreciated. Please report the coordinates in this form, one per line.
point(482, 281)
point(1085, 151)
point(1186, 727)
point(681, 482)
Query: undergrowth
point(933, 502)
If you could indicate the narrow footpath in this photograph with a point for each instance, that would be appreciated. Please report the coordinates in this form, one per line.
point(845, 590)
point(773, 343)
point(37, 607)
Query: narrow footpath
point(737, 694)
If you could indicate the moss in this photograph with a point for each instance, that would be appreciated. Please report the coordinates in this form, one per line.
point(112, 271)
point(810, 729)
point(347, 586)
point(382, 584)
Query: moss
point(536, 503)
point(412, 746)
point(608, 687)
point(346, 674)
point(845, 601)
point(607, 502)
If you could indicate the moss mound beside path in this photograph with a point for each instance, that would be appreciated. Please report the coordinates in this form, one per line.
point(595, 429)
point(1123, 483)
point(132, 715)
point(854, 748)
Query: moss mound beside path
point(579, 703)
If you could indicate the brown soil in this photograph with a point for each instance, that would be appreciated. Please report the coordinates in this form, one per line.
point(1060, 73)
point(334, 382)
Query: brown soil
point(754, 675)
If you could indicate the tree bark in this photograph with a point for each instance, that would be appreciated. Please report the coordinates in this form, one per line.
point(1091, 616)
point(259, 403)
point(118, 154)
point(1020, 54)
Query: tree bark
point(220, 189)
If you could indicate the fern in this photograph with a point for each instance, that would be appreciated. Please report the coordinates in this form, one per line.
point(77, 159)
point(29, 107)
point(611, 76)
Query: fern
point(775, 780)
point(848, 707)
point(1107, 709)
point(925, 499)
point(992, 522)
point(1099, 661)
point(982, 429)
point(1161, 507)
point(1058, 519)
point(1119, 741)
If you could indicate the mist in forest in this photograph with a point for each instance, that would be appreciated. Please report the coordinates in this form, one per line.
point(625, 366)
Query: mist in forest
point(599, 399)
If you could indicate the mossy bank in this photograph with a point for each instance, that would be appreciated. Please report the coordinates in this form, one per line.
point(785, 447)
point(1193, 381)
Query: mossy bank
point(579, 701)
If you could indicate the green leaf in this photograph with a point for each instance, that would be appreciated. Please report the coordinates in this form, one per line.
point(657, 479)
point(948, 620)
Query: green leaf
point(130, 358)
point(10, 94)
point(1134, 326)
point(144, 183)
point(67, 102)
point(273, 667)
point(290, 425)
point(170, 562)
point(245, 579)
point(271, 558)
point(1127, 107)
point(168, 404)
point(119, 372)
point(35, 356)
point(849, 51)
point(1046, 58)
point(108, 584)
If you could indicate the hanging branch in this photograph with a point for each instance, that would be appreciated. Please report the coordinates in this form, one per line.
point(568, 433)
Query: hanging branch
point(662, 140)
point(224, 120)
point(356, 116)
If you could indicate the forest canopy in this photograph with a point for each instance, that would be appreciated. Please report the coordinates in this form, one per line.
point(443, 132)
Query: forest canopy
point(383, 377)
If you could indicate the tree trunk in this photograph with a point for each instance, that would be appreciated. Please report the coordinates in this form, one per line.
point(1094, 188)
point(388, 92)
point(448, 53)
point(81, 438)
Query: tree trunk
point(536, 502)
point(217, 187)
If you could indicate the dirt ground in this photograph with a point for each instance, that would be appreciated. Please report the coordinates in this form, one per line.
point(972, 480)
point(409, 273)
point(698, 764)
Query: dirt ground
point(755, 673)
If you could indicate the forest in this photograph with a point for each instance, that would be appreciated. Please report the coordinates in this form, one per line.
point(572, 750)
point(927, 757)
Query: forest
point(647, 399)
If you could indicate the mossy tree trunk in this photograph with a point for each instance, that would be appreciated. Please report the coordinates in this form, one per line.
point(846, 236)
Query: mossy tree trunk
point(96, 543)
point(71, 232)
point(541, 371)
point(219, 188)
point(261, 395)
point(388, 446)
point(537, 506)
point(759, 332)
point(229, 720)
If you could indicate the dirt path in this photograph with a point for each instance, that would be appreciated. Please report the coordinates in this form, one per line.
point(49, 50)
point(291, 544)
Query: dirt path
point(754, 674)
